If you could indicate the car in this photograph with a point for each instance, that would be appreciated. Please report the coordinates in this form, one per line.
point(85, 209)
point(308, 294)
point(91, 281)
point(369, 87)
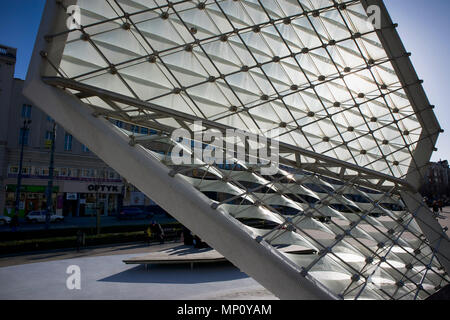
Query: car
point(4, 220)
point(134, 213)
point(40, 216)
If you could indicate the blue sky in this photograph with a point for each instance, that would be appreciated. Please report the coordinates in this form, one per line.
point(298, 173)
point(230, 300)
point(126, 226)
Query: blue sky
point(423, 27)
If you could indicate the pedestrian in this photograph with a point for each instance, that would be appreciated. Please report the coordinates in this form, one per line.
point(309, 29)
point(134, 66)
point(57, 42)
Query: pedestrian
point(435, 208)
point(187, 237)
point(158, 231)
point(149, 234)
point(80, 239)
point(440, 204)
point(14, 222)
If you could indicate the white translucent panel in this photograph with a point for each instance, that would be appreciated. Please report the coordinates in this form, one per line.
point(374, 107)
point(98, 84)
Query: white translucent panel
point(119, 45)
point(99, 8)
point(283, 237)
point(251, 212)
point(331, 274)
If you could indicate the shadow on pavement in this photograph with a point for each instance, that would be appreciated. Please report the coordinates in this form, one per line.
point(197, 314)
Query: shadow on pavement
point(185, 250)
point(178, 274)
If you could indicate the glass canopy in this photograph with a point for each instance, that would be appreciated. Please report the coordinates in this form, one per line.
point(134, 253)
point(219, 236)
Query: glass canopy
point(313, 70)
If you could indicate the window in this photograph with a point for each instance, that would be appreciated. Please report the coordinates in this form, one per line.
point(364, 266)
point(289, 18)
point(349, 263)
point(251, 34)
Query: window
point(14, 170)
point(26, 111)
point(85, 149)
point(23, 136)
point(87, 173)
point(48, 135)
point(119, 123)
point(36, 171)
point(144, 130)
point(68, 142)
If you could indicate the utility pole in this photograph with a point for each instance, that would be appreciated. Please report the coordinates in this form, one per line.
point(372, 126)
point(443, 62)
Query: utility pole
point(49, 206)
point(25, 128)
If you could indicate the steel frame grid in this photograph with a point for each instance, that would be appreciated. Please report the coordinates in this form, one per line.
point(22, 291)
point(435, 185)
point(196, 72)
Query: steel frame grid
point(50, 63)
point(360, 151)
point(226, 178)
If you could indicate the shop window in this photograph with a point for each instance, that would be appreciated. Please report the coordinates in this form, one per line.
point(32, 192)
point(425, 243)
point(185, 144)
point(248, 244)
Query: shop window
point(119, 123)
point(134, 129)
point(85, 149)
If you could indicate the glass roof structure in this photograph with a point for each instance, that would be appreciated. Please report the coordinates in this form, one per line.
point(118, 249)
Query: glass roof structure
point(315, 71)
point(353, 126)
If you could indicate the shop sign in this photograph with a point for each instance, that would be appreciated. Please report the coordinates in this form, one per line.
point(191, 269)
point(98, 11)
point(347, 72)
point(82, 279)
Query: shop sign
point(103, 188)
point(137, 198)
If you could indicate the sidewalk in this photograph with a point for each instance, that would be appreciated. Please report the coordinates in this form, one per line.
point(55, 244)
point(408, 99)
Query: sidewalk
point(444, 219)
point(105, 276)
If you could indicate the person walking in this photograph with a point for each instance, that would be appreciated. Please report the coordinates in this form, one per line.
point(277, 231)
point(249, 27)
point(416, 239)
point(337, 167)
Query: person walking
point(440, 204)
point(80, 239)
point(158, 231)
point(435, 208)
point(149, 234)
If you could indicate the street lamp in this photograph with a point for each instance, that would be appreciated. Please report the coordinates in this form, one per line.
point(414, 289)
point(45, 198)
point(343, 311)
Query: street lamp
point(25, 128)
point(49, 194)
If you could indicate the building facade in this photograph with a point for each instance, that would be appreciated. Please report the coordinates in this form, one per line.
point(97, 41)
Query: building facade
point(82, 182)
point(436, 181)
